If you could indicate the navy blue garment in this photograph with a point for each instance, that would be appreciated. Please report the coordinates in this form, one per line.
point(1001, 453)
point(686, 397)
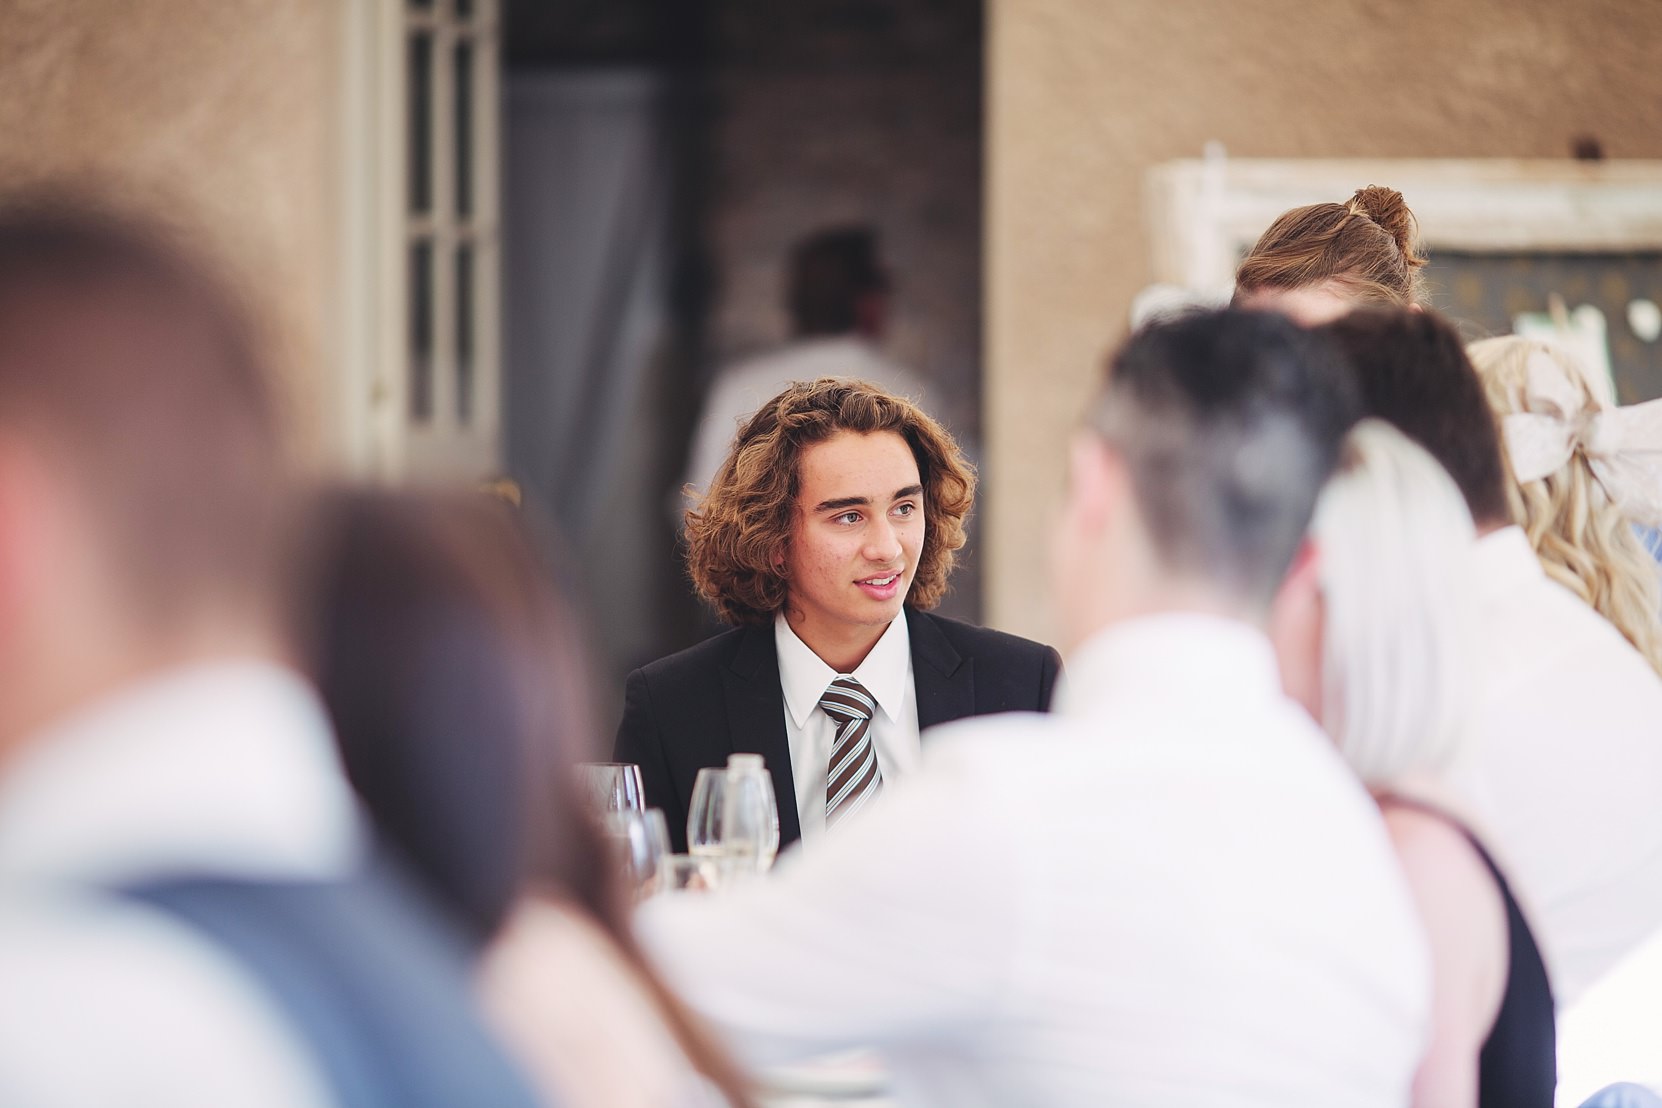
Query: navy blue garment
point(368, 979)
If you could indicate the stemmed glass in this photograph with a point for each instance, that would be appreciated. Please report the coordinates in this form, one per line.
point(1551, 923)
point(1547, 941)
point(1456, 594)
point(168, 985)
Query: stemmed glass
point(733, 821)
point(611, 786)
point(640, 843)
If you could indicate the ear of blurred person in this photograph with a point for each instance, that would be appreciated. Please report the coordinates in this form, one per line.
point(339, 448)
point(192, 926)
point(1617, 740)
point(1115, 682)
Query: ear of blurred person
point(451, 664)
point(1565, 756)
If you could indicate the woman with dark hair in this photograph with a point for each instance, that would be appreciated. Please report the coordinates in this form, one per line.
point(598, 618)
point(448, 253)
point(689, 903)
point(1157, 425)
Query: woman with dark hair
point(448, 662)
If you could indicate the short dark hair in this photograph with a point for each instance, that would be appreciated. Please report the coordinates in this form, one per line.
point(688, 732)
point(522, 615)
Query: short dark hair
point(1412, 371)
point(1230, 422)
point(830, 272)
point(133, 360)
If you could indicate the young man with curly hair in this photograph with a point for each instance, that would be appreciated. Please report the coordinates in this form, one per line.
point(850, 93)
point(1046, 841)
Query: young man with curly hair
point(828, 532)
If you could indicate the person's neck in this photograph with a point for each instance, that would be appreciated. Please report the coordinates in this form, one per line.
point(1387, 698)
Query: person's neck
point(842, 648)
point(1167, 598)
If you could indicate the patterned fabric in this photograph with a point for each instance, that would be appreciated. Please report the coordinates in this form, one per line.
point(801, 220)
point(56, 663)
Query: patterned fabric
point(855, 777)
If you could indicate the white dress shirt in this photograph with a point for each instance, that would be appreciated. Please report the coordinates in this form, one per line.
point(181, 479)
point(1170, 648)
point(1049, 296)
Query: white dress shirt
point(742, 388)
point(1564, 770)
point(1173, 892)
point(223, 769)
point(886, 673)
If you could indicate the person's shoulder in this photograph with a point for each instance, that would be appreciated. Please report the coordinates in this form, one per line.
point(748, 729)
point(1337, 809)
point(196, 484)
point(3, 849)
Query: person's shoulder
point(1551, 639)
point(702, 657)
point(94, 978)
point(972, 639)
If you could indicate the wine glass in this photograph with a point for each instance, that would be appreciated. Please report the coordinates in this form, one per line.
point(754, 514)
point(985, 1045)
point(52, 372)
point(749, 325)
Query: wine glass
point(750, 814)
point(733, 821)
point(640, 843)
point(611, 786)
point(704, 815)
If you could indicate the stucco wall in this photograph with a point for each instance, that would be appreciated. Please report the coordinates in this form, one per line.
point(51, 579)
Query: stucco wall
point(224, 111)
point(1084, 96)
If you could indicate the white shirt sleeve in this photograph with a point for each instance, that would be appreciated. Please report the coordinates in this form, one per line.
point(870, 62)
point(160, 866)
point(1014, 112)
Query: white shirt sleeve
point(904, 923)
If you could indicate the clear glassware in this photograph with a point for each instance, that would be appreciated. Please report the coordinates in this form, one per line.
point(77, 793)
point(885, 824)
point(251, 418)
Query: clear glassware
point(750, 814)
point(639, 843)
point(611, 786)
point(704, 814)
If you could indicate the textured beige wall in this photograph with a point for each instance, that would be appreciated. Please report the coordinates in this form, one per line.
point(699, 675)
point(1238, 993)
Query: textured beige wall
point(224, 110)
point(1084, 96)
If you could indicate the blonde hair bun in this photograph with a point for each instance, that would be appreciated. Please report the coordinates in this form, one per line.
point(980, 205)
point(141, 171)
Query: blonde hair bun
point(1387, 208)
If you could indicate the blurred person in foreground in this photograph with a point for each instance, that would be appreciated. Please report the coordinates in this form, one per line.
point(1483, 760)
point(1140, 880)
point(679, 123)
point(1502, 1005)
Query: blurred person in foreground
point(1374, 632)
point(826, 536)
point(1318, 262)
point(1564, 765)
point(449, 663)
point(188, 915)
point(1172, 891)
point(1584, 475)
point(837, 297)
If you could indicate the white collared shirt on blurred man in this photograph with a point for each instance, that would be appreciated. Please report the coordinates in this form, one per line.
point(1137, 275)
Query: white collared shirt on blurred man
point(1172, 892)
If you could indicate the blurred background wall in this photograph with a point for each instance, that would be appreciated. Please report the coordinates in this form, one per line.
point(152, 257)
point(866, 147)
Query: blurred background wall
point(222, 114)
point(1084, 97)
point(657, 158)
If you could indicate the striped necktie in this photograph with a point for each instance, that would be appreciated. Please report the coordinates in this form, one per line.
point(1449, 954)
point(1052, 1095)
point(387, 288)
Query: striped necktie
point(855, 777)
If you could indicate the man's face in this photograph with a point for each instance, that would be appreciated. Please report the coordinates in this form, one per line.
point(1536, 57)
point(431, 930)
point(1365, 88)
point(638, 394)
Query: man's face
point(858, 533)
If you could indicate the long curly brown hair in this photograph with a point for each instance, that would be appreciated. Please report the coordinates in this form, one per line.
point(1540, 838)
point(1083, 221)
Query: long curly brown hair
point(737, 534)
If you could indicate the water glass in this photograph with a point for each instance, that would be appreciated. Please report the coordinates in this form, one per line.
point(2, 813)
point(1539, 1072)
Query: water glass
point(611, 786)
point(639, 843)
point(734, 818)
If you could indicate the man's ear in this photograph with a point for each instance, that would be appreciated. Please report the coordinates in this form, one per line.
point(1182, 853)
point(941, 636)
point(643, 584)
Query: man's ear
point(1300, 587)
point(1098, 481)
point(25, 519)
point(1295, 628)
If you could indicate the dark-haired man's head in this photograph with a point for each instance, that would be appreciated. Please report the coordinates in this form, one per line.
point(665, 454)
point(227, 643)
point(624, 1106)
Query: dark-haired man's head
point(140, 484)
point(1411, 370)
point(1204, 451)
point(837, 284)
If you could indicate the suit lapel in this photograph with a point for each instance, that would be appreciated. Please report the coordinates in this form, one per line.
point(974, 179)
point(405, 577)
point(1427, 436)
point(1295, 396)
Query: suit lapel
point(943, 679)
point(756, 718)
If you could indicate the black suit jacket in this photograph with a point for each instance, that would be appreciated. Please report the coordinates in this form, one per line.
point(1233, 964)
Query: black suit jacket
point(723, 696)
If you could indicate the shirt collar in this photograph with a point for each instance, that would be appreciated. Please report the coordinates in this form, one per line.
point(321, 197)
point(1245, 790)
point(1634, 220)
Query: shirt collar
point(1169, 657)
point(227, 767)
point(886, 672)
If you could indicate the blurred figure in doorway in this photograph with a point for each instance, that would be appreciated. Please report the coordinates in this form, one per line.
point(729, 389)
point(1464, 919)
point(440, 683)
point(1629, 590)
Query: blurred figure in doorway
point(838, 299)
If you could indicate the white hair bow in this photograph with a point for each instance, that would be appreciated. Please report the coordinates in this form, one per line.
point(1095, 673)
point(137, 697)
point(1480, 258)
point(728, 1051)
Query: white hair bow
point(1623, 446)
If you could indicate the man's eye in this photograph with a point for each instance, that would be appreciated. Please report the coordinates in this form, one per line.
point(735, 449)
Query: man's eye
point(848, 517)
point(905, 509)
